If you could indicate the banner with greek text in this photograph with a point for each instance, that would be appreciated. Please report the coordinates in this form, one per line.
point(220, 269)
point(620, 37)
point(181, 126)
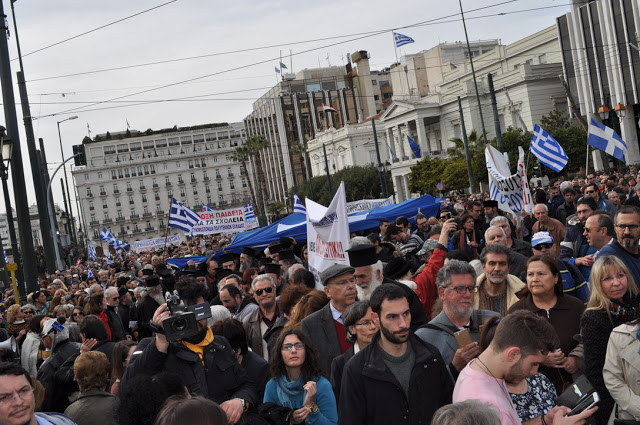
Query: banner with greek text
point(511, 191)
point(367, 204)
point(221, 221)
point(327, 234)
point(155, 243)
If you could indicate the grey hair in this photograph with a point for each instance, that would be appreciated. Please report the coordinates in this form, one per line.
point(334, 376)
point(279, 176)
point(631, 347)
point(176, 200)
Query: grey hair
point(498, 219)
point(28, 306)
point(262, 277)
point(486, 232)
point(92, 288)
point(546, 208)
point(218, 312)
point(468, 412)
point(454, 267)
point(109, 290)
point(355, 312)
point(494, 248)
point(358, 241)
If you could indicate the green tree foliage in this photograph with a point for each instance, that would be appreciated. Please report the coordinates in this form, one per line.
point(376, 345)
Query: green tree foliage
point(277, 210)
point(476, 151)
point(426, 174)
point(360, 183)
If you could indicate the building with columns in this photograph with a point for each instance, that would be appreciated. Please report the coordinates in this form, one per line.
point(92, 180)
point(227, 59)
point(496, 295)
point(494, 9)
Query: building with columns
point(600, 42)
point(525, 75)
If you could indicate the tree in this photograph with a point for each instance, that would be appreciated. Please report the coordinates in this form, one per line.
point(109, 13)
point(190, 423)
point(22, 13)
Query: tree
point(242, 154)
point(276, 210)
point(476, 151)
point(426, 174)
point(253, 146)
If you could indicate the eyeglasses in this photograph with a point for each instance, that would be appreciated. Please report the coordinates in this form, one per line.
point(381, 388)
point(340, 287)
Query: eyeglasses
point(631, 227)
point(28, 312)
point(366, 323)
point(589, 229)
point(542, 246)
point(462, 289)
point(23, 393)
point(115, 298)
point(268, 290)
point(77, 313)
point(297, 346)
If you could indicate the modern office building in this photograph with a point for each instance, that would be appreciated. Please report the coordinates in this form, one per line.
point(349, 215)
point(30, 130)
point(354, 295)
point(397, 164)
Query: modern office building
point(131, 177)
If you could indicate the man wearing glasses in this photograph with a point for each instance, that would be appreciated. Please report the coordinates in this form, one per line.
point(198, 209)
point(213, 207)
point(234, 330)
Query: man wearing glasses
point(457, 288)
point(591, 189)
point(17, 401)
point(258, 322)
point(113, 298)
point(627, 226)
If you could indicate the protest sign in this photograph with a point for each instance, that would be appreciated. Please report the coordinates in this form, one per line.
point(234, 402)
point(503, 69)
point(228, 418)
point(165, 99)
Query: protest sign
point(367, 204)
point(155, 243)
point(510, 190)
point(220, 221)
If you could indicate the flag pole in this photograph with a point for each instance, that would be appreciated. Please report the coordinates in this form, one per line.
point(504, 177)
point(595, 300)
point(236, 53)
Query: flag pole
point(586, 171)
point(166, 233)
point(395, 49)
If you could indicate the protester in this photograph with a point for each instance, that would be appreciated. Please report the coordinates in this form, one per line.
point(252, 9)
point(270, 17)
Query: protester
point(192, 411)
point(497, 289)
point(31, 346)
point(121, 354)
point(258, 321)
point(468, 238)
point(625, 247)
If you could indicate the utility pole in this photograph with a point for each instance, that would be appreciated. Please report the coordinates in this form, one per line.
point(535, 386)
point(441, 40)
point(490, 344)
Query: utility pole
point(29, 264)
point(467, 154)
point(383, 177)
point(326, 165)
point(496, 118)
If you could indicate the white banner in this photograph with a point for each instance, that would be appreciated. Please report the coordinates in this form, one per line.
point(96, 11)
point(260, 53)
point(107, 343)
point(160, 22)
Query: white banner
point(220, 221)
point(367, 204)
point(155, 243)
point(327, 234)
point(510, 190)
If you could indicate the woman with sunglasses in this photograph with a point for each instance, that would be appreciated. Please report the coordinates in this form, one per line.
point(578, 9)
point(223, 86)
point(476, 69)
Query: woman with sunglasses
point(77, 315)
point(298, 383)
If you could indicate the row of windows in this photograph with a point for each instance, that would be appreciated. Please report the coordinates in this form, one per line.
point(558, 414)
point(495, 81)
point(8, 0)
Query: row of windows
point(186, 144)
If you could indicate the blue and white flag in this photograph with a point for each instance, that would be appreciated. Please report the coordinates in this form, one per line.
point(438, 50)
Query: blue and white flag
point(182, 217)
point(6, 259)
point(283, 66)
point(106, 236)
point(109, 261)
point(548, 150)
point(90, 274)
point(247, 210)
point(298, 206)
point(606, 139)
point(92, 252)
point(391, 154)
point(119, 245)
point(414, 147)
point(206, 207)
point(402, 39)
point(88, 130)
point(277, 70)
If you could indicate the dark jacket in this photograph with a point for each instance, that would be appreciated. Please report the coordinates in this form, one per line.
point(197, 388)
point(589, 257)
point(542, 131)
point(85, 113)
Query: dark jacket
point(337, 367)
point(322, 331)
point(257, 370)
point(522, 247)
point(64, 375)
point(93, 407)
point(570, 247)
point(115, 324)
point(272, 334)
point(127, 314)
point(418, 315)
point(56, 397)
point(370, 394)
point(564, 211)
point(145, 310)
point(221, 378)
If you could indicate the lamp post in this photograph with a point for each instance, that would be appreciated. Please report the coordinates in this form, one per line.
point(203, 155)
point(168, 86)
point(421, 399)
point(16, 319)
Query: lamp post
point(66, 182)
point(64, 219)
point(5, 155)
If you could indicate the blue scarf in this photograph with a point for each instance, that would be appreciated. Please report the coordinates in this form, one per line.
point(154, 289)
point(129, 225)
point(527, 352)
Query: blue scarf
point(287, 389)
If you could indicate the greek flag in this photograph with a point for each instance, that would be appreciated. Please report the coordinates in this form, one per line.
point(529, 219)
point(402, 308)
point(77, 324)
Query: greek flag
point(391, 154)
point(402, 39)
point(548, 150)
point(90, 274)
point(277, 70)
point(247, 210)
point(298, 206)
point(182, 217)
point(118, 245)
point(6, 259)
point(206, 207)
point(106, 236)
point(109, 261)
point(92, 252)
point(414, 147)
point(606, 139)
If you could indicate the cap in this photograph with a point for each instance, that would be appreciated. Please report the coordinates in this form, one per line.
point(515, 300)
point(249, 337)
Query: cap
point(51, 325)
point(151, 281)
point(274, 247)
point(286, 242)
point(264, 260)
point(122, 280)
point(122, 291)
point(273, 268)
point(147, 272)
point(396, 268)
point(335, 271)
point(541, 237)
point(490, 204)
point(428, 246)
point(221, 274)
point(362, 255)
point(249, 251)
point(165, 273)
point(228, 256)
point(286, 254)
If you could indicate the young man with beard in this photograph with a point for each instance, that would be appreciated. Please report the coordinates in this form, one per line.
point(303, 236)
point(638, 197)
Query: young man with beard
point(397, 378)
point(627, 226)
point(521, 343)
point(207, 364)
point(497, 289)
point(368, 275)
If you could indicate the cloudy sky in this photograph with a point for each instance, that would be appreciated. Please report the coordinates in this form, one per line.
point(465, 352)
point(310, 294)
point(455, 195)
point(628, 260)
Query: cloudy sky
point(160, 63)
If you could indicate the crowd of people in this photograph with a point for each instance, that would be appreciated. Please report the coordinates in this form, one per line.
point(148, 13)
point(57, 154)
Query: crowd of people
point(469, 316)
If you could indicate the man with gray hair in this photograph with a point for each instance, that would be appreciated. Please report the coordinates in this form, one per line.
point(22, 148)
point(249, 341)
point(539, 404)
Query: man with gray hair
point(456, 283)
point(257, 322)
point(517, 262)
point(516, 245)
point(548, 224)
point(113, 299)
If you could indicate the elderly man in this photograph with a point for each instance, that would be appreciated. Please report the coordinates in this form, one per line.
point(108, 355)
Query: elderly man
point(457, 288)
point(548, 224)
point(248, 258)
point(516, 245)
point(573, 282)
point(599, 230)
point(325, 327)
point(152, 298)
point(368, 275)
point(627, 225)
point(258, 322)
point(575, 248)
point(517, 262)
point(115, 324)
point(497, 289)
point(103, 277)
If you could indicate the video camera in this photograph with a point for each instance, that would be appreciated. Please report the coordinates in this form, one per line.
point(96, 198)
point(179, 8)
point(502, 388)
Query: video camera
point(183, 322)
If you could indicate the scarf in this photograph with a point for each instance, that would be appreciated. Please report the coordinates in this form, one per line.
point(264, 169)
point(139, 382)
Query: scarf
point(105, 319)
point(198, 348)
point(288, 389)
point(464, 239)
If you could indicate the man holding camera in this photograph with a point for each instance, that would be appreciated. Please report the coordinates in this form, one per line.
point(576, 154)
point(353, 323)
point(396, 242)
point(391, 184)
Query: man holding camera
point(207, 364)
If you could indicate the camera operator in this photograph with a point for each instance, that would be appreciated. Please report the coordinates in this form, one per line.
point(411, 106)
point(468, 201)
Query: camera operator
point(207, 364)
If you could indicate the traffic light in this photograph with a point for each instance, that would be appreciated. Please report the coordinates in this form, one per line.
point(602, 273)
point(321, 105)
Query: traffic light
point(79, 155)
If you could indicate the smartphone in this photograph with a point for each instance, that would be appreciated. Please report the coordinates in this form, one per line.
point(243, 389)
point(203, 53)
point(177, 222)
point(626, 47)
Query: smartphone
point(585, 403)
point(463, 337)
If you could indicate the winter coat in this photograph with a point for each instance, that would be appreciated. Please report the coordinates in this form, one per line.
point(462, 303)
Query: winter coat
point(29, 355)
point(55, 397)
point(622, 370)
point(93, 407)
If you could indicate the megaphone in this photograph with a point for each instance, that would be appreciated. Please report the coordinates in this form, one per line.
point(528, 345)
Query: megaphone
point(9, 344)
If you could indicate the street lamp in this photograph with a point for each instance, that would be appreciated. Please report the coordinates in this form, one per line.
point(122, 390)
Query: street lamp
point(66, 182)
point(620, 110)
point(603, 111)
point(5, 155)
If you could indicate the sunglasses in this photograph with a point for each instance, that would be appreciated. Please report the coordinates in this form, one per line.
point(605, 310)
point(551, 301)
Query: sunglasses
point(268, 290)
point(542, 246)
point(115, 298)
point(78, 314)
point(28, 312)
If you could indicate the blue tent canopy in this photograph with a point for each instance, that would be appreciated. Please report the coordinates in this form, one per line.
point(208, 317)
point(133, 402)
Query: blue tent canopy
point(294, 225)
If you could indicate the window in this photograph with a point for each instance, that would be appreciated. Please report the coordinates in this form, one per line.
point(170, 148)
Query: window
point(115, 188)
point(119, 216)
point(104, 204)
point(117, 201)
point(227, 157)
point(145, 210)
point(144, 197)
point(204, 174)
point(542, 58)
point(220, 198)
point(244, 182)
point(215, 159)
point(183, 194)
point(165, 166)
point(374, 82)
point(161, 223)
point(203, 162)
point(133, 212)
point(166, 179)
point(190, 163)
point(91, 206)
point(133, 172)
point(120, 175)
point(131, 201)
point(170, 193)
point(106, 216)
point(177, 164)
point(157, 195)
point(93, 218)
point(141, 184)
point(139, 171)
point(113, 175)
point(233, 186)
point(129, 188)
point(219, 186)
point(86, 177)
point(193, 177)
point(153, 169)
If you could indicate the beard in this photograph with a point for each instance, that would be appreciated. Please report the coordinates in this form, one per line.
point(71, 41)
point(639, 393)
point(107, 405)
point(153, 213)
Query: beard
point(628, 242)
point(393, 337)
point(154, 294)
point(515, 375)
point(365, 294)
